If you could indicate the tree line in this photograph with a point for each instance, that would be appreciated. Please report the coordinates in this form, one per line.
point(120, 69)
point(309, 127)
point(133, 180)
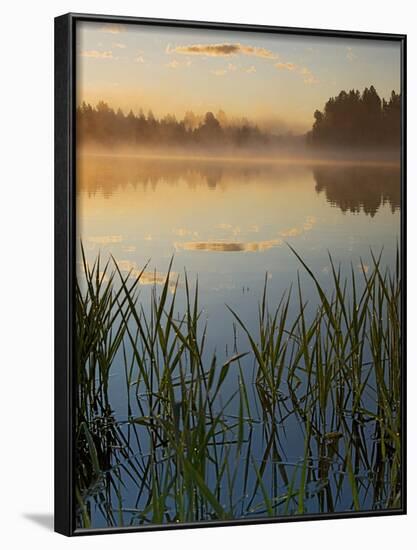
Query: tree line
point(105, 126)
point(353, 119)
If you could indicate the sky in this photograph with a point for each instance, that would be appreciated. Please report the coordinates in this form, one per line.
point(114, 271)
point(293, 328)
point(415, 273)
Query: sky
point(275, 80)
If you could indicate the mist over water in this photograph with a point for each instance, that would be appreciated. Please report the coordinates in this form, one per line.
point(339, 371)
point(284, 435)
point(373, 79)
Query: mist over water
point(229, 221)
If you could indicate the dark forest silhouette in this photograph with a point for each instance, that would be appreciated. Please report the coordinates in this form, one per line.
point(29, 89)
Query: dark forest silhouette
point(104, 126)
point(354, 120)
point(349, 120)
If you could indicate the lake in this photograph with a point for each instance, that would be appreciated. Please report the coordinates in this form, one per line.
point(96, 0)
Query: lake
point(229, 224)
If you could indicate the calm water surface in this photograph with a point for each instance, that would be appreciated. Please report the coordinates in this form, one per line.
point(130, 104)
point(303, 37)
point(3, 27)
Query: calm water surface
point(229, 223)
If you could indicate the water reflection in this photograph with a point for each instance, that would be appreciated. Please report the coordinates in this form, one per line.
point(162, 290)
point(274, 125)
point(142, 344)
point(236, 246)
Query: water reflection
point(226, 225)
point(220, 246)
point(352, 188)
point(356, 188)
point(106, 174)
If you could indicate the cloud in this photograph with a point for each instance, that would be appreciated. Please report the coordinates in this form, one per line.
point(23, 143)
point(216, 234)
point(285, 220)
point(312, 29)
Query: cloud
point(119, 45)
point(231, 68)
point(225, 226)
point(96, 54)
point(224, 246)
point(350, 54)
point(112, 28)
point(307, 75)
point(175, 64)
point(219, 72)
point(222, 50)
point(139, 59)
point(285, 66)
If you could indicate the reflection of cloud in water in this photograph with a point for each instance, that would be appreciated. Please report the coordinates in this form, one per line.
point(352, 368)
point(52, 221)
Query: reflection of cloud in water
point(147, 277)
point(81, 268)
point(182, 232)
point(309, 223)
point(233, 229)
point(251, 246)
point(221, 246)
point(363, 268)
point(106, 239)
point(296, 231)
point(292, 232)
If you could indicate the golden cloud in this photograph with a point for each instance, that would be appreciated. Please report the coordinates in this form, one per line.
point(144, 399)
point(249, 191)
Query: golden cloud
point(285, 66)
point(308, 76)
point(174, 64)
point(112, 28)
point(222, 50)
point(304, 72)
point(219, 72)
point(231, 68)
point(350, 55)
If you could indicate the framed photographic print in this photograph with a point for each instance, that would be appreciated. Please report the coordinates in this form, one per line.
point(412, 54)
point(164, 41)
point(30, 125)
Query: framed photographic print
point(230, 262)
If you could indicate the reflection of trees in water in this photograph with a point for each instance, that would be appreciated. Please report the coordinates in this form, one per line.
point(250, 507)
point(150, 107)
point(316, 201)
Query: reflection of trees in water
point(101, 174)
point(356, 188)
point(106, 175)
point(351, 188)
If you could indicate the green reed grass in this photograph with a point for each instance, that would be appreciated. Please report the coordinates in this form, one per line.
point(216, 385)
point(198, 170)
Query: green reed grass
point(332, 372)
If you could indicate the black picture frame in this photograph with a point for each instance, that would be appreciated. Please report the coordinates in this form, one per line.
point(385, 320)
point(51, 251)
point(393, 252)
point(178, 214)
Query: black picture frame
point(65, 241)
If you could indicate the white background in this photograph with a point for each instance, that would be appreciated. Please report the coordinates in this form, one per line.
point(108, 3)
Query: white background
point(26, 285)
